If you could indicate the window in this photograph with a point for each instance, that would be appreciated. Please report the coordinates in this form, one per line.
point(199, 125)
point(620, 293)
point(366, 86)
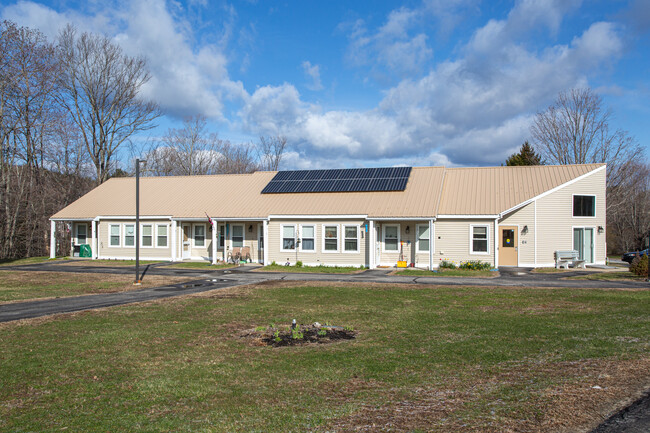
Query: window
point(114, 235)
point(423, 238)
point(199, 235)
point(480, 240)
point(391, 238)
point(147, 236)
point(129, 235)
point(351, 240)
point(161, 236)
point(308, 242)
point(584, 205)
point(237, 236)
point(81, 233)
point(288, 237)
point(222, 231)
point(330, 239)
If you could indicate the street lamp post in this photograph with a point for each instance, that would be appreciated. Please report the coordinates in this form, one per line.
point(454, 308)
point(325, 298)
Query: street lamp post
point(137, 221)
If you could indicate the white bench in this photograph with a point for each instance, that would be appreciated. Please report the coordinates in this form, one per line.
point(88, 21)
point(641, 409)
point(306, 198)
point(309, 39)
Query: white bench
point(563, 258)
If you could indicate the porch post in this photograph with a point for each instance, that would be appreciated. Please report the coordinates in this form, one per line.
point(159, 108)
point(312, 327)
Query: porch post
point(431, 240)
point(371, 244)
point(496, 243)
point(173, 236)
point(214, 242)
point(93, 242)
point(52, 239)
point(265, 260)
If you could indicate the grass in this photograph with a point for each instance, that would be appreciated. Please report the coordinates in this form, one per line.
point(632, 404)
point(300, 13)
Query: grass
point(201, 265)
point(24, 261)
point(313, 269)
point(608, 276)
point(26, 285)
point(550, 270)
point(425, 359)
point(446, 273)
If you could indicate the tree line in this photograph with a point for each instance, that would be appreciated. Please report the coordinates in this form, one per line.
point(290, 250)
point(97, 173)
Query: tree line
point(576, 129)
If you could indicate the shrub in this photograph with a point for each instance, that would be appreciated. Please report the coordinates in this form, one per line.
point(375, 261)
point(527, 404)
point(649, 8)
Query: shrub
point(447, 265)
point(273, 263)
point(298, 264)
point(475, 265)
point(639, 266)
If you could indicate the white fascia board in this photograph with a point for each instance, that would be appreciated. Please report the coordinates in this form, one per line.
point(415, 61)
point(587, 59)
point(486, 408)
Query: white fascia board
point(469, 217)
point(401, 219)
point(132, 217)
point(551, 191)
point(318, 217)
point(233, 219)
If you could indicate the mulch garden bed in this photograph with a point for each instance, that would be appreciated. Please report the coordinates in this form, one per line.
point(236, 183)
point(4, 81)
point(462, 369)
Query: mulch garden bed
point(278, 336)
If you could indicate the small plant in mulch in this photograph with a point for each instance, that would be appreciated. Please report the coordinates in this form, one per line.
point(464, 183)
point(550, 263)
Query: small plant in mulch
point(278, 336)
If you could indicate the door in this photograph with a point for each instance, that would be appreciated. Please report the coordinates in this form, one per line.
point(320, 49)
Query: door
point(508, 246)
point(186, 241)
point(260, 243)
point(583, 243)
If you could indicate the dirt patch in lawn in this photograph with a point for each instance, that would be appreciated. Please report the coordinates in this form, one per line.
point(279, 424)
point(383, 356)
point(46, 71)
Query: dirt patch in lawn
point(281, 336)
point(583, 394)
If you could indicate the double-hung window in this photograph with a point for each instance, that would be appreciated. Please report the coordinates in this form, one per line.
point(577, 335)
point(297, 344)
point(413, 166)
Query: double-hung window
point(147, 235)
point(199, 235)
point(423, 238)
point(480, 239)
point(351, 240)
point(237, 236)
point(288, 237)
point(81, 233)
point(222, 235)
point(330, 238)
point(308, 242)
point(129, 235)
point(584, 205)
point(114, 235)
point(391, 238)
point(161, 236)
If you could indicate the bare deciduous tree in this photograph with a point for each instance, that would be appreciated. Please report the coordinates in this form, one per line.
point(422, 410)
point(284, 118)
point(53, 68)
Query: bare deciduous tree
point(100, 87)
point(270, 151)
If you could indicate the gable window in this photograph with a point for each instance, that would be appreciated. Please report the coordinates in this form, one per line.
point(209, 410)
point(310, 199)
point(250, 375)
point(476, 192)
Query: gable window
point(479, 243)
point(351, 240)
point(423, 238)
point(308, 238)
point(391, 237)
point(330, 239)
point(81, 233)
point(237, 236)
point(288, 237)
point(161, 236)
point(129, 235)
point(114, 235)
point(147, 236)
point(199, 235)
point(584, 205)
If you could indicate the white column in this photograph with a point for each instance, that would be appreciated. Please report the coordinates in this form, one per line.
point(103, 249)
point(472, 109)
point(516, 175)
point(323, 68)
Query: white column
point(431, 244)
point(214, 242)
point(93, 239)
point(496, 243)
point(371, 245)
point(173, 236)
point(52, 239)
point(266, 243)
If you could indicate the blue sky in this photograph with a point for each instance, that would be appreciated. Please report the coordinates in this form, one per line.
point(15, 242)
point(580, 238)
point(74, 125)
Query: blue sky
point(374, 83)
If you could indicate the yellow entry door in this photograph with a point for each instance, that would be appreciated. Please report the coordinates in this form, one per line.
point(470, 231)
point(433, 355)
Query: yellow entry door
point(508, 246)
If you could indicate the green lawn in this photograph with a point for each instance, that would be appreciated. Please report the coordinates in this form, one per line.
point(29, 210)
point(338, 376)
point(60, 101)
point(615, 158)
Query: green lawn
point(446, 273)
point(608, 276)
point(201, 265)
point(25, 261)
point(454, 359)
point(313, 269)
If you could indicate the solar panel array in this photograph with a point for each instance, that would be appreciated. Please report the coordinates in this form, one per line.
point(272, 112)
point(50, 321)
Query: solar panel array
point(340, 180)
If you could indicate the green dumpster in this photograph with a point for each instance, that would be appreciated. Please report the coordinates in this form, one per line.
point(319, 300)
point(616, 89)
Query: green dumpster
point(85, 251)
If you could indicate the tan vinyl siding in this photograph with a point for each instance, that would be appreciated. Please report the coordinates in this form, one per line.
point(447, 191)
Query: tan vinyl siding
point(524, 216)
point(122, 252)
point(318, 256)
point(453, 240)
point(555, 218)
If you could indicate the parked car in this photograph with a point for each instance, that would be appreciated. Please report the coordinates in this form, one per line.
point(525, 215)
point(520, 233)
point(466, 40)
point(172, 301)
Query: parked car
point(628, 257)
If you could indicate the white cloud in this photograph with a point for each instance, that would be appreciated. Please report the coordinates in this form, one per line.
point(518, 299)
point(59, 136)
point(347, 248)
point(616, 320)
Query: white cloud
point(313, 72)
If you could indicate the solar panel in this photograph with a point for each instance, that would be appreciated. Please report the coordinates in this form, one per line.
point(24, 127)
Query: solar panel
point(339, 180)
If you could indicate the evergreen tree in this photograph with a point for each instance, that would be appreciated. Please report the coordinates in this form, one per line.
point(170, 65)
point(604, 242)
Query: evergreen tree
point(526, 156)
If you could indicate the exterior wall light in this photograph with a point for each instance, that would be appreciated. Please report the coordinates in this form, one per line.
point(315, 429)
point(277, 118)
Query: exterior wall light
point(524, 230)
point(601, 230)
point(250, 228)
point(408, 229)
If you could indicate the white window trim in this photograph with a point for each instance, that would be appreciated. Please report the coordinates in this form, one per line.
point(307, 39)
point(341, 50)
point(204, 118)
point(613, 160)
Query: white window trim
point(417, 238)
point(358, 250)
point(302, 238)
point(153, 234)
point(583, 195)
point(338, 238)
point(77, 225)
point(471, 239)
point(193, 233)
point(119, 242)
point(124, 235)
point(166, 235)
point(383, 238)
point(295, 240)
point(243, 235)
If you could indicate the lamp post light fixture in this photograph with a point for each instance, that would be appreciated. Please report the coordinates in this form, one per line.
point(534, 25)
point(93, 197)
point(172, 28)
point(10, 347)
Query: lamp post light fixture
point(137, 281)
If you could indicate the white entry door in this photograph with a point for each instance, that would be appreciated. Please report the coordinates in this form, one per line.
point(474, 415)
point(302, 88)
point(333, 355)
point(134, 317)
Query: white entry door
point(186, 241)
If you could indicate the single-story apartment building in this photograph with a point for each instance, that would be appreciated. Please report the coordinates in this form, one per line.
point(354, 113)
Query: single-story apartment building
point(507, 216)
